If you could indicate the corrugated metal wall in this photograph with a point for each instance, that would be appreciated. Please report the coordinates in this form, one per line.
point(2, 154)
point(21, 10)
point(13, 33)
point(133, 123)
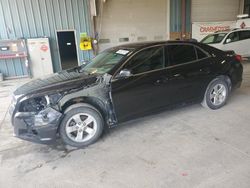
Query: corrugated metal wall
point(38, 18)
point(13, 67)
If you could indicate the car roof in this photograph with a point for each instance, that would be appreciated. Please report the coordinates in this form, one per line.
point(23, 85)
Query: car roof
point(140, 45)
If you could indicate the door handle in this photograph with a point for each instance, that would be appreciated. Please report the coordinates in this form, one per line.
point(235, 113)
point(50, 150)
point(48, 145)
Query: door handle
point(161, 81)
point(157, 82)
point(177, 75)
point(205, 70)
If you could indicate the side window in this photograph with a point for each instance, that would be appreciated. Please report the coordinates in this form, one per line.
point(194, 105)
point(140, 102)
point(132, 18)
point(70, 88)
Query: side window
point(244, 35)
point(146, 60)
point(179, 54)
point(200, 54)
point(233, 37)
point(209, 39)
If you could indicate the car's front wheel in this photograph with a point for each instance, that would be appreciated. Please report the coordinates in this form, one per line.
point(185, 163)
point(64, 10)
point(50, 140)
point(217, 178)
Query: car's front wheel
point(216, 94)
point(81, 126)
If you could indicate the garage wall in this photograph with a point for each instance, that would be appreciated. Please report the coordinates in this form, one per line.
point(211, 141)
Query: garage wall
point(38, 18)
point(215, 10)
point(133, 21)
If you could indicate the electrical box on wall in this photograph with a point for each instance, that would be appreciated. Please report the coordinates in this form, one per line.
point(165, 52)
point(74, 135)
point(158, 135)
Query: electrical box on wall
point(13, 58)
point(40, 57)
point(10, 49)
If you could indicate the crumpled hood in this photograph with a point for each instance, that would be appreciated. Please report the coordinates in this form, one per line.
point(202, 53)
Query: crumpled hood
point(62, 81)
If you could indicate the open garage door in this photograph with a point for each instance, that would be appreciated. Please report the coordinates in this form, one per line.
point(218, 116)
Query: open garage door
point(121, 21)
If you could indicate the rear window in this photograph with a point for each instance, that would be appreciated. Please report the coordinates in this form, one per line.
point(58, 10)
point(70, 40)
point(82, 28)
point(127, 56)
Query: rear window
point(200, 54)
point(211, 50)
point(179, 54)
point(214, 38)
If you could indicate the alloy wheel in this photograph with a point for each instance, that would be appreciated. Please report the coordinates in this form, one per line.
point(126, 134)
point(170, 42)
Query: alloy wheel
point(218, 94)
point(81, 127)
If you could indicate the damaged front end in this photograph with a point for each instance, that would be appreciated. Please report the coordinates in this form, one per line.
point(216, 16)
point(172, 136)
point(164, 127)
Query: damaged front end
point(36, 118)
point(39, 106)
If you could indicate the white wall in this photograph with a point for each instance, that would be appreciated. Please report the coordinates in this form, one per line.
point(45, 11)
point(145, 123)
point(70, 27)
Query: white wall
point(135, 19)
point(215, 10)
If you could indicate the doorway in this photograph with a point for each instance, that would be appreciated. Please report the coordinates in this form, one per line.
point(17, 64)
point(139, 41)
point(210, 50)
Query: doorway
point(67, 48)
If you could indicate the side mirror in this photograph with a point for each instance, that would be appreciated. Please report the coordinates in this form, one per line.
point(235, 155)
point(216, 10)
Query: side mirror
point(228, 41)
point(124, 73)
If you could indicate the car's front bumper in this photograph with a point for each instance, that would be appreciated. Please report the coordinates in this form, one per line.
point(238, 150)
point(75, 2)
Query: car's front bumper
point(40, 128)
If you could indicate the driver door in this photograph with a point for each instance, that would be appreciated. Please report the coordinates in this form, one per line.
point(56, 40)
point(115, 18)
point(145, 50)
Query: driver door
point(133, 95)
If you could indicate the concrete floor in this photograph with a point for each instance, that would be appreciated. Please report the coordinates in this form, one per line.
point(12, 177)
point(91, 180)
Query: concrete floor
point(187, 147)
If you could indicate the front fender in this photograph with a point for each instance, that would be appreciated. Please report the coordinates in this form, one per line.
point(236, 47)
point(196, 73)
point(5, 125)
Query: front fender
point(97, 96)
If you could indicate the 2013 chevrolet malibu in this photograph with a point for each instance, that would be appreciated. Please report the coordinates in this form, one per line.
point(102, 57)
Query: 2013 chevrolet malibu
point(119, 84)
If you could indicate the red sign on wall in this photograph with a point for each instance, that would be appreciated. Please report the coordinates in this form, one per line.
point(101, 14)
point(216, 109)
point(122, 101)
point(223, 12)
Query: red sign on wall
point(44, 48)
point(202, 29)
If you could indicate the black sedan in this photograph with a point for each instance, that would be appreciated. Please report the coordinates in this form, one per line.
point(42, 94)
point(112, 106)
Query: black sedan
point(122, 83)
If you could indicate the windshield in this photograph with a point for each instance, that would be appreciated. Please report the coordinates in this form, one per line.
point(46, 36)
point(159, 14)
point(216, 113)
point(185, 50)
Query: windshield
point(214, 38)
point(105, 61)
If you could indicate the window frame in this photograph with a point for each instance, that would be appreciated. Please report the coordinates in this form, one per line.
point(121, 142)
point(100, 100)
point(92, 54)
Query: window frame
point(165, 56)
point(136, 53)
point(196, 54)
point(203, 51)
point(225, 40)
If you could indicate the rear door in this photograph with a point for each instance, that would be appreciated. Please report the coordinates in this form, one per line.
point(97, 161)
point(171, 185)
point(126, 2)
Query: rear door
point(189, 71)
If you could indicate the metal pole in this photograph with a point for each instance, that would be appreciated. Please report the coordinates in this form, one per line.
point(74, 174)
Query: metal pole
point(183, 19)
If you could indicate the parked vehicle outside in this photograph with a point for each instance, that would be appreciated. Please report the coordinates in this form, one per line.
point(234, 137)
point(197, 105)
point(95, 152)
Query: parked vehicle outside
point(237, 40)
point(120, 84)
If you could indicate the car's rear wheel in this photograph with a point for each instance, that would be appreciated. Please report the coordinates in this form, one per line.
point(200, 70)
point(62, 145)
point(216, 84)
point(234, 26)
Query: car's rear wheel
point(81, 126)
point(216, 94)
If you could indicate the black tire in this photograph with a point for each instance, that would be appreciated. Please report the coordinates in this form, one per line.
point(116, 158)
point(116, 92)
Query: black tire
point(209, 103)
point(99, 124)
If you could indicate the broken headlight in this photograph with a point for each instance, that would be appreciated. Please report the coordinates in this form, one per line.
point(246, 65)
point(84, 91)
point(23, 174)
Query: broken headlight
point(35, 104)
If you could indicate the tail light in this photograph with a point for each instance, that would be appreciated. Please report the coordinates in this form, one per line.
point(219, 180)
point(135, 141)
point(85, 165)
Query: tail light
point(238, 58)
